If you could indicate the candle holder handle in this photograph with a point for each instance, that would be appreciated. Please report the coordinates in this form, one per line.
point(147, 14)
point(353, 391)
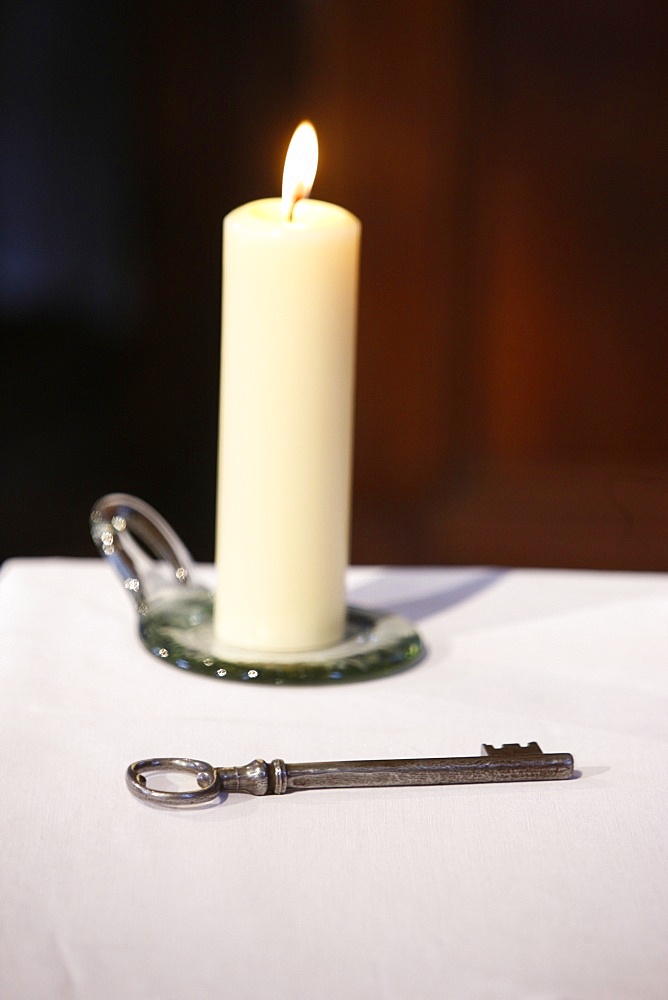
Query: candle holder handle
point(144, 550)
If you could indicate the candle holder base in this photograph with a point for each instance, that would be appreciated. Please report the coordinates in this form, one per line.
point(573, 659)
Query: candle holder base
point(180, 631)
point(176, 615)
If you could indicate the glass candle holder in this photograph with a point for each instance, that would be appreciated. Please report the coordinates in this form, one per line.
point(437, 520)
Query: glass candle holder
point(175, 612)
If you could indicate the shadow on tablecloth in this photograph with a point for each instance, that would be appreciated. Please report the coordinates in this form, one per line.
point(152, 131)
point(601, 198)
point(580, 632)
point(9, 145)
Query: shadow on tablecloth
point(418, 593)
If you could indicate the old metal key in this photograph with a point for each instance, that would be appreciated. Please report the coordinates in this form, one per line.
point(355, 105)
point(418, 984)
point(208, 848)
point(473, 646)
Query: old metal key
point(511, 762)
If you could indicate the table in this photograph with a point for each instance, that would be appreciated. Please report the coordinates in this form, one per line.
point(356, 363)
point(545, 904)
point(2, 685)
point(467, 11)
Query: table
point(543, 891)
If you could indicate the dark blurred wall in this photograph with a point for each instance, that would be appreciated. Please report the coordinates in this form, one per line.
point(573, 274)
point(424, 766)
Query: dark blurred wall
point(508, 161)
point(69, 279)
point(129, 131)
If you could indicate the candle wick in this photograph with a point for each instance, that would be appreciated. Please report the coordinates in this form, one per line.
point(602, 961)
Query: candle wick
point(297, 195)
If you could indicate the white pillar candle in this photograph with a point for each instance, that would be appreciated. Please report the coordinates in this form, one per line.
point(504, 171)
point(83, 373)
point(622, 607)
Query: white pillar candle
point(290, 273)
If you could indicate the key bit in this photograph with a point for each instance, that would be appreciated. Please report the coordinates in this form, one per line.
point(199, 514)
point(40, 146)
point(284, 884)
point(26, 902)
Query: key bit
point(511, 750)
point(511, 762)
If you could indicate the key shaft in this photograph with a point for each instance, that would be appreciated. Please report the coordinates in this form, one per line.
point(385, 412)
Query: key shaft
point(277, 777)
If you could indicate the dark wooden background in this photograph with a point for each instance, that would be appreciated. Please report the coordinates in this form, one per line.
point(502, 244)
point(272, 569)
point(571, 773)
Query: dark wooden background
point(508, 161)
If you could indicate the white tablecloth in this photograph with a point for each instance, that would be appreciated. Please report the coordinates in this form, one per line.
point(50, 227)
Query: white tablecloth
point(542, 891)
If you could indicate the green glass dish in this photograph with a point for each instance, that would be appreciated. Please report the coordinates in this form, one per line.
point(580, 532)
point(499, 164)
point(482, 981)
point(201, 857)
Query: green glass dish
point(176, 614)
point(180, 630)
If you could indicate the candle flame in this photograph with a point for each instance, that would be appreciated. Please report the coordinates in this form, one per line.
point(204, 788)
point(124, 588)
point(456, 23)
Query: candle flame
point(301, 163)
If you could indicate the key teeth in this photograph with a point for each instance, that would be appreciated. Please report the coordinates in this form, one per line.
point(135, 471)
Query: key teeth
point(510, 749)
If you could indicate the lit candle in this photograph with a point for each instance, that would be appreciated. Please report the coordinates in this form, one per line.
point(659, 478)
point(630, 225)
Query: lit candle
point(290, 270)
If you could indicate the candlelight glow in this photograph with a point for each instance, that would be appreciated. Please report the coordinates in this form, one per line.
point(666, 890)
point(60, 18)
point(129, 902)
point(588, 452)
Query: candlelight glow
point(301, 163)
